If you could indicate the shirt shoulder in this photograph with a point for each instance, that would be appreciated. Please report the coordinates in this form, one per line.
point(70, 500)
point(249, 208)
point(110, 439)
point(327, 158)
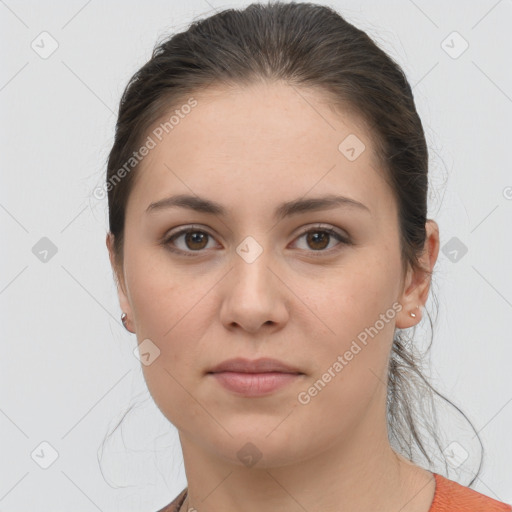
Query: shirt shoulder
point(450, 496)
point(175, 503)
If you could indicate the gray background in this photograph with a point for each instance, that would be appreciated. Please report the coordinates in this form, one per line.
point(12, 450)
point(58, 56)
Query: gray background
point(67, 370)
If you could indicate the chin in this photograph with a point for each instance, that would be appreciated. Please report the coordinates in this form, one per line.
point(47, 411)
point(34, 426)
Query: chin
point(263, 448)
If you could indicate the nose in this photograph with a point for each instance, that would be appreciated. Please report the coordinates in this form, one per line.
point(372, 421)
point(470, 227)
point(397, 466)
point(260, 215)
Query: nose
point(253, 295)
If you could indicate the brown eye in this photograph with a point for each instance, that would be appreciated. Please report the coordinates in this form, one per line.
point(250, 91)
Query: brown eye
point(195, 239)
point(318, 239)
point(192, 240)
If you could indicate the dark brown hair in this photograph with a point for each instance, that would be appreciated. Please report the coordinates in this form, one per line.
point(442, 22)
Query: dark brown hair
point(303, 45)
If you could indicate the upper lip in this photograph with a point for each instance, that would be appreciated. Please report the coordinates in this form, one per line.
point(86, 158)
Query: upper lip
point(263, 365)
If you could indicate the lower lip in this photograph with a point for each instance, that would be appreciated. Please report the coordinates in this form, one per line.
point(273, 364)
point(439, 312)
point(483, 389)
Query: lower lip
point(254, 384)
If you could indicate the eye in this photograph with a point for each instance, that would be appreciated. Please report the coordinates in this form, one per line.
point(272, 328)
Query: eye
point(320, 237)
point(194, 240)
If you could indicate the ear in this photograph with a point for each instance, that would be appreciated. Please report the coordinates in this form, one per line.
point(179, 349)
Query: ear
point(417, 283)
point(120, 282)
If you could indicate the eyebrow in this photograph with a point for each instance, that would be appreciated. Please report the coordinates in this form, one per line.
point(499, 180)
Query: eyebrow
point(287, 209)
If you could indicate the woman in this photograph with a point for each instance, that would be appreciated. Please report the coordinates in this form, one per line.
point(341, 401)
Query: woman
point(268, 197)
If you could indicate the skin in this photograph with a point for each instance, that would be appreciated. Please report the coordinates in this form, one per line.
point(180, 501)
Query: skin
point(250, 149)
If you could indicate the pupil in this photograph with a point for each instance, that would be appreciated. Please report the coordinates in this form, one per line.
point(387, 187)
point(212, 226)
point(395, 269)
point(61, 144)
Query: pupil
point(316, 238)
point(196, 237)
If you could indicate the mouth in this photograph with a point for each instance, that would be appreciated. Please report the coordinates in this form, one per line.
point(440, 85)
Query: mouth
point(254, 384)
point(253, 378)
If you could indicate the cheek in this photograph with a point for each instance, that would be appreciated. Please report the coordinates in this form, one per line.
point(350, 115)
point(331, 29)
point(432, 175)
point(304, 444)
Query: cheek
point(351, 363)
point(351, 298)
point(172, 310)
point(160, 293)
point(174, 322)
point(355, 307)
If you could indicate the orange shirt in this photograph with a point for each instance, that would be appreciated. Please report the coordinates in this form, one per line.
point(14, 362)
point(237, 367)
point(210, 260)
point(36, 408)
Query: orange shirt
point(449, 496)
point(453, 497)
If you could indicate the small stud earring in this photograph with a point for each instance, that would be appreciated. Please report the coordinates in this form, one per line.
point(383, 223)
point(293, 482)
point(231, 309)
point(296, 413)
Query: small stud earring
point(414, 314)
point(124, 317)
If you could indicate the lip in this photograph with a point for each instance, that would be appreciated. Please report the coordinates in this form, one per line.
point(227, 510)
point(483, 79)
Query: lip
point(262, 365)
point(253, 378)
point(254, 384)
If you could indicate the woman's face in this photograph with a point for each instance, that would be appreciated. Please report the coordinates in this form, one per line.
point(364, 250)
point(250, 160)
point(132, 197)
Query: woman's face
point(251, 283)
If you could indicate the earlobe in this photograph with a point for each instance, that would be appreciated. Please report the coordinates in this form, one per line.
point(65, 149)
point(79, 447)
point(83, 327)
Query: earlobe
point(126, 323)
point(409, 316)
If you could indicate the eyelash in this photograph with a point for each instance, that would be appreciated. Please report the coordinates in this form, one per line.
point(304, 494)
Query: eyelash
point(317, 229)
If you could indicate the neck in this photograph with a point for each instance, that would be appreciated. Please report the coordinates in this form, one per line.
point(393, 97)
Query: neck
point(364, 473)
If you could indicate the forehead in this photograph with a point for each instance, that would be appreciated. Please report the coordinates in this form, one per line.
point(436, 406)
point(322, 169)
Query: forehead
point(266, 142)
